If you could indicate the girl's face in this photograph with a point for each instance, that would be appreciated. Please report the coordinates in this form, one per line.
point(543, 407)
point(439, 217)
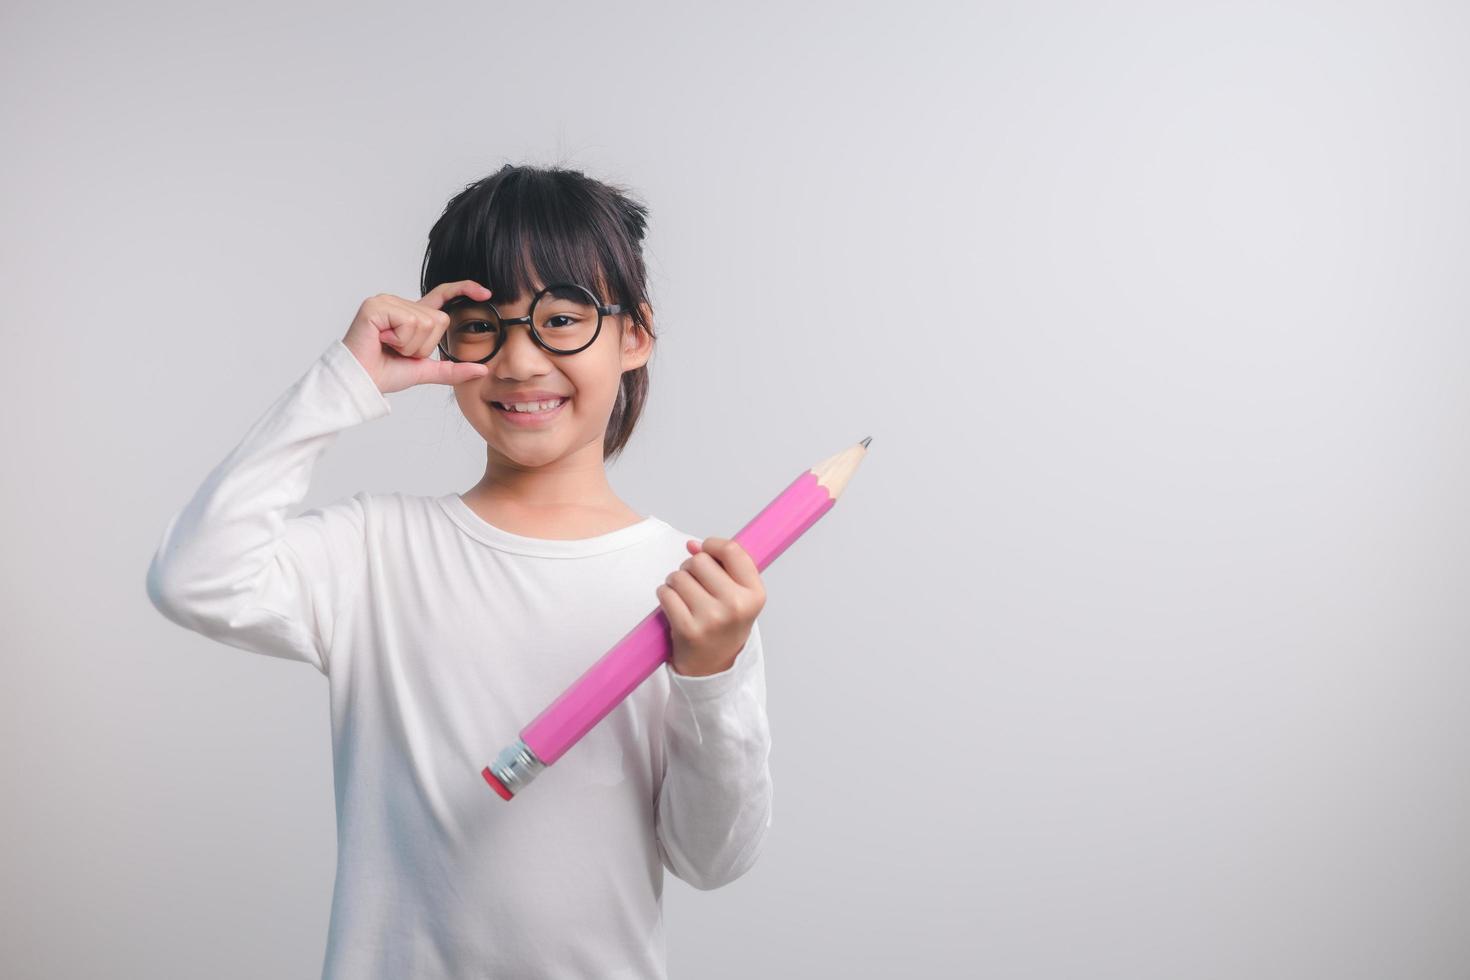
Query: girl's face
point(588, 379)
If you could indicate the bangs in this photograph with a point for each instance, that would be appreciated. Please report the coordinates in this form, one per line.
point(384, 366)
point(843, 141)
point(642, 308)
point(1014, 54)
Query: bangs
point(528, 231)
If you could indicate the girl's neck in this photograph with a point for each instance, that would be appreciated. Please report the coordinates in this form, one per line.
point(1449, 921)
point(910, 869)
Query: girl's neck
point(553, 506)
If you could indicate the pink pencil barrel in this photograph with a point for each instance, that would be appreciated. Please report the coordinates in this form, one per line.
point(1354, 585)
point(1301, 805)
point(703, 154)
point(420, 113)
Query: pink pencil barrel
point(640, 652)
point(629, 663)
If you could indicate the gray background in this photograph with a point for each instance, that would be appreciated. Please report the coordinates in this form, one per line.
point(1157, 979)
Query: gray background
point(1136, 649)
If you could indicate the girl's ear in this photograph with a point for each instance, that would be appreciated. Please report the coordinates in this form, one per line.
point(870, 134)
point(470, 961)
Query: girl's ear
point(637, 346)
point(637, 342)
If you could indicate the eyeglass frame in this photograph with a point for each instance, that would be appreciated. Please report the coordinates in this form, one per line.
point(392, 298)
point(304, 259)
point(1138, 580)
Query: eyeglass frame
point(603, 309)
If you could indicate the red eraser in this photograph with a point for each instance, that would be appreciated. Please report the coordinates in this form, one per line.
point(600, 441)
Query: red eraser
point(495, 784)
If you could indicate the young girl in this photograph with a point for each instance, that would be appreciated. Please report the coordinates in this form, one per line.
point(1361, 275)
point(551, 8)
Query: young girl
point(444, 624)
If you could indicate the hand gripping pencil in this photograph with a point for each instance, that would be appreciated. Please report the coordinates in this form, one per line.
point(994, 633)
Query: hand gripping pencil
point(646, 646)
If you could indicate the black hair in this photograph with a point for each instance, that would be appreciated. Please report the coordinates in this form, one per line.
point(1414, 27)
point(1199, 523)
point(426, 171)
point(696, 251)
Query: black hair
point(523, 221)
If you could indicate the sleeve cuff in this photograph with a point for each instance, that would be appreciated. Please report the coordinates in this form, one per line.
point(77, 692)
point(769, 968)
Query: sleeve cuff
point(369, 401)
point(711, 686)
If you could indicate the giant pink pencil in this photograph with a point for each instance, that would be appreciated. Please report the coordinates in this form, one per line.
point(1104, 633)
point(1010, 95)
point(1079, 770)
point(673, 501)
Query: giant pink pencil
point(646, 646)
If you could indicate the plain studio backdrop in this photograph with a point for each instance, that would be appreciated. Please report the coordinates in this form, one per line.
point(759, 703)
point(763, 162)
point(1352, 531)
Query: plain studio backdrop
point(1137, 646)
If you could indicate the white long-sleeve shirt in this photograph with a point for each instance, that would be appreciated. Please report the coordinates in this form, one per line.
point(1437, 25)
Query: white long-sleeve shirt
point(441, 636)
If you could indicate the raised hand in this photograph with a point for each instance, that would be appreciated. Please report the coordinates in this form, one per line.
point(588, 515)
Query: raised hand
point(393, 337)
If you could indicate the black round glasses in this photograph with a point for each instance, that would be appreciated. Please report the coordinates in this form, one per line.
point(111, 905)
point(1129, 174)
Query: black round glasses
point(564, 318)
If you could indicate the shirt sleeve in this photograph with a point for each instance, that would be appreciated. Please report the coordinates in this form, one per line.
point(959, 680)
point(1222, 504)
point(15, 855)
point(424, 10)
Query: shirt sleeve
point(714, 803)
point(233, 567)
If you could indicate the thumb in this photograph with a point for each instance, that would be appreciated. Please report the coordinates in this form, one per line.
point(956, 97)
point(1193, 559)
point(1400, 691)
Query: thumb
point(438, 372)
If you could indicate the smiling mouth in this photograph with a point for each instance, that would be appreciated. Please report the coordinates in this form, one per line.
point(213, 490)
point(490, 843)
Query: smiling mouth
point(515, 416)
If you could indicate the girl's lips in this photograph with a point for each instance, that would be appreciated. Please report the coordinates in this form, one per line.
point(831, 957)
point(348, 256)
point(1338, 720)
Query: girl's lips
point(530, 419)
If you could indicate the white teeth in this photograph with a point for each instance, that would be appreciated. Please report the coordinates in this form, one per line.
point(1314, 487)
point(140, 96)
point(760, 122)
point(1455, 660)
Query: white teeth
point(535, 406)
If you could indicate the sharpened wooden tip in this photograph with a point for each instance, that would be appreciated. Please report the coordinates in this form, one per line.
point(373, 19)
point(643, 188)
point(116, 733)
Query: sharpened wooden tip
point(834, 471)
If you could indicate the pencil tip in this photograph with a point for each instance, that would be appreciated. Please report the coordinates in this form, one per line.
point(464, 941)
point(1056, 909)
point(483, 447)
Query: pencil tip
point(866, 440)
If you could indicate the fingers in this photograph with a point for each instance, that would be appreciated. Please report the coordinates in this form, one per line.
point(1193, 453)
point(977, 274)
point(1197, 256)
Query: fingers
point(394, 337)
point(446, 291)
point(449, 372)
point(681, 620)
point(415, 329)
point(719, 578)
point(416, 325)
point(734, 559)
point(706, 605)
point(711, 578)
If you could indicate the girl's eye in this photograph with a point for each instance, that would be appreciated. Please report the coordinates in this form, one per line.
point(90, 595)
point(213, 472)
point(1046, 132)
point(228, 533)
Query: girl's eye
point(474, 326)
point(566, 320)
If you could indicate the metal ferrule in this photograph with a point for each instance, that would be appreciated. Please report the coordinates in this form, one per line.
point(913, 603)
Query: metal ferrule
point(516, 766)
